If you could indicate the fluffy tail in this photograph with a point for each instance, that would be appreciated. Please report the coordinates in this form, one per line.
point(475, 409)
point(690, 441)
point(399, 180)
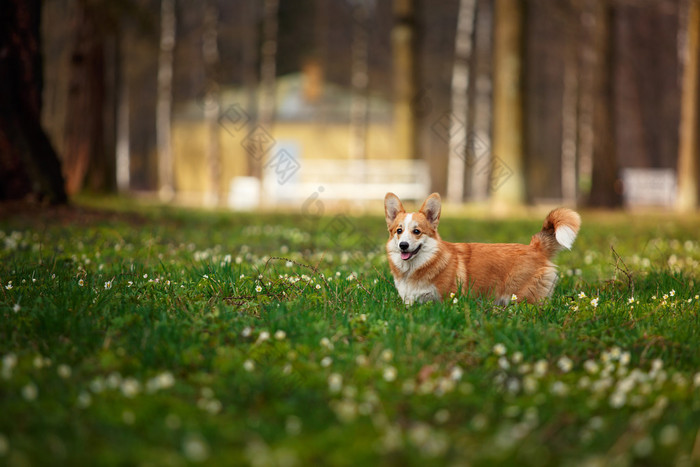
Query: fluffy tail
point(558, 231)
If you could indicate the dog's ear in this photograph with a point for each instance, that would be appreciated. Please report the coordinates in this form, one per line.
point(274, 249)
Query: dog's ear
point(431, 209)
point(392, 208)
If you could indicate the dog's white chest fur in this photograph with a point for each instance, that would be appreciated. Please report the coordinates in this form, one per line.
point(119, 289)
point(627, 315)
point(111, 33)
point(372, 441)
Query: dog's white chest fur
point(413, 291)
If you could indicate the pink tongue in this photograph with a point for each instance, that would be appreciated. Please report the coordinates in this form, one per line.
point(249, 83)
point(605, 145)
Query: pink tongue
point(406, 255)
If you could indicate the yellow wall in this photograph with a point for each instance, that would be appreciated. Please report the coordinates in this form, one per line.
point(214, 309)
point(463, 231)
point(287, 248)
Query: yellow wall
point(327, 141)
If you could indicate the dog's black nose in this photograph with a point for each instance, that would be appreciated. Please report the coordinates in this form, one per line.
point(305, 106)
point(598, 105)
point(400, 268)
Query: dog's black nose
point(403, 245)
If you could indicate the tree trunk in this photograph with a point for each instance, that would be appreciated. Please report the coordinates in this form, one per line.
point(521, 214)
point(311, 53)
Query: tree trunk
point(689, 150)
point(569, 112)
point(605, 186)
point(359, 108)
point(507, 171)
point(584, 130)
point(166, 185)
point(123, 143)
point(403, 39)
point(250, 76)
point(84, 142)
point(459, 122)
point(268, 82)
point(212, 108)
point(481, 141)
point(29, 164)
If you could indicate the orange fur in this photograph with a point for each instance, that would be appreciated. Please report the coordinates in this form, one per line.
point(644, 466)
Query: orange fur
point(437, 268)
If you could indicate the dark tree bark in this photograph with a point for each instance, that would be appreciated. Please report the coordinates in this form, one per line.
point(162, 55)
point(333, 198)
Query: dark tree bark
point(29, 164)
point(605, 185)
point(86, 158)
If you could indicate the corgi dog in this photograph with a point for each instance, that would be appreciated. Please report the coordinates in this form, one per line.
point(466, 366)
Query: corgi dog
point(426, 268)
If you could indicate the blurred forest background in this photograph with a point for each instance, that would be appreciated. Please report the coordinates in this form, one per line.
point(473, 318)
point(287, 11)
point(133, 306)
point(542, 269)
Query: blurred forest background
point(244, 103)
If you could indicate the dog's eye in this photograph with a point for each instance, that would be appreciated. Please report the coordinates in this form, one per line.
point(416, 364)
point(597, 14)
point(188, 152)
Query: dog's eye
point(416, 232)
point(399, 230)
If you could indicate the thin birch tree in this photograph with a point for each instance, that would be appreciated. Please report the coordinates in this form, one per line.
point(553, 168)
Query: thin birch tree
point(212, 106)
point(166, 179)
point(459, 124)
point(507, 172)
point(689, 147)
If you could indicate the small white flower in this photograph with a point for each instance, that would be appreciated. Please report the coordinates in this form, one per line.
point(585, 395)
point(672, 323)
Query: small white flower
point(318, 286)
point(63, 371)
point(514, 298)
point(617, 399)
point(84, 399)
point(387, 355)
point(280, 335)
point(630, 300)
point(16, 307)
point(326, 342)
point(362, 360)
point(326, 362)
point(389, 373)
point(457, 372)
point(9, 286)
point(615, 353)
point(530, 384)
point(582, 295)
point(246, 332)
point(263, 336)
point(594, 302)
point(81, 282)
point(145, 276)
point(454, 300)
point(590, 366)
point(672, 293)
point(130, 387)
point(499, 349)
point(249, 365)
point(625, 358)
point(30, 392)
point(559, 388)
point(108, 285)
point(565, 364)
point(258, 288)
point(4, 445)
point(195, 448)
point(335, 382)
point(540, 368)
point(669, 435)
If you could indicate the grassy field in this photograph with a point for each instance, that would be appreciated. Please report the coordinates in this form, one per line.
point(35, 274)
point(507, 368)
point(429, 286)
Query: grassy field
point(168, 337)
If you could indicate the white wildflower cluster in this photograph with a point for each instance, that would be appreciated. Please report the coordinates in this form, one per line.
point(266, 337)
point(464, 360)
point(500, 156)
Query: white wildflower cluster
point(129, 386)
point(9, 362)
point(515, 375)
point(208, 402)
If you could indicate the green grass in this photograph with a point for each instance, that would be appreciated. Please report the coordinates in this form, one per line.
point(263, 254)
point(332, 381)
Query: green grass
point(162, 336)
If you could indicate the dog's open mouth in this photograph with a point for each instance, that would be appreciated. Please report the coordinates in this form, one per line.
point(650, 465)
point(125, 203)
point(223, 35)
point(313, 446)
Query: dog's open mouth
point(406, 255)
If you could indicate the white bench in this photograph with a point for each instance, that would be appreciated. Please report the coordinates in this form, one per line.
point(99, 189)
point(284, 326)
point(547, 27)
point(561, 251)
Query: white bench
point(361, 180)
